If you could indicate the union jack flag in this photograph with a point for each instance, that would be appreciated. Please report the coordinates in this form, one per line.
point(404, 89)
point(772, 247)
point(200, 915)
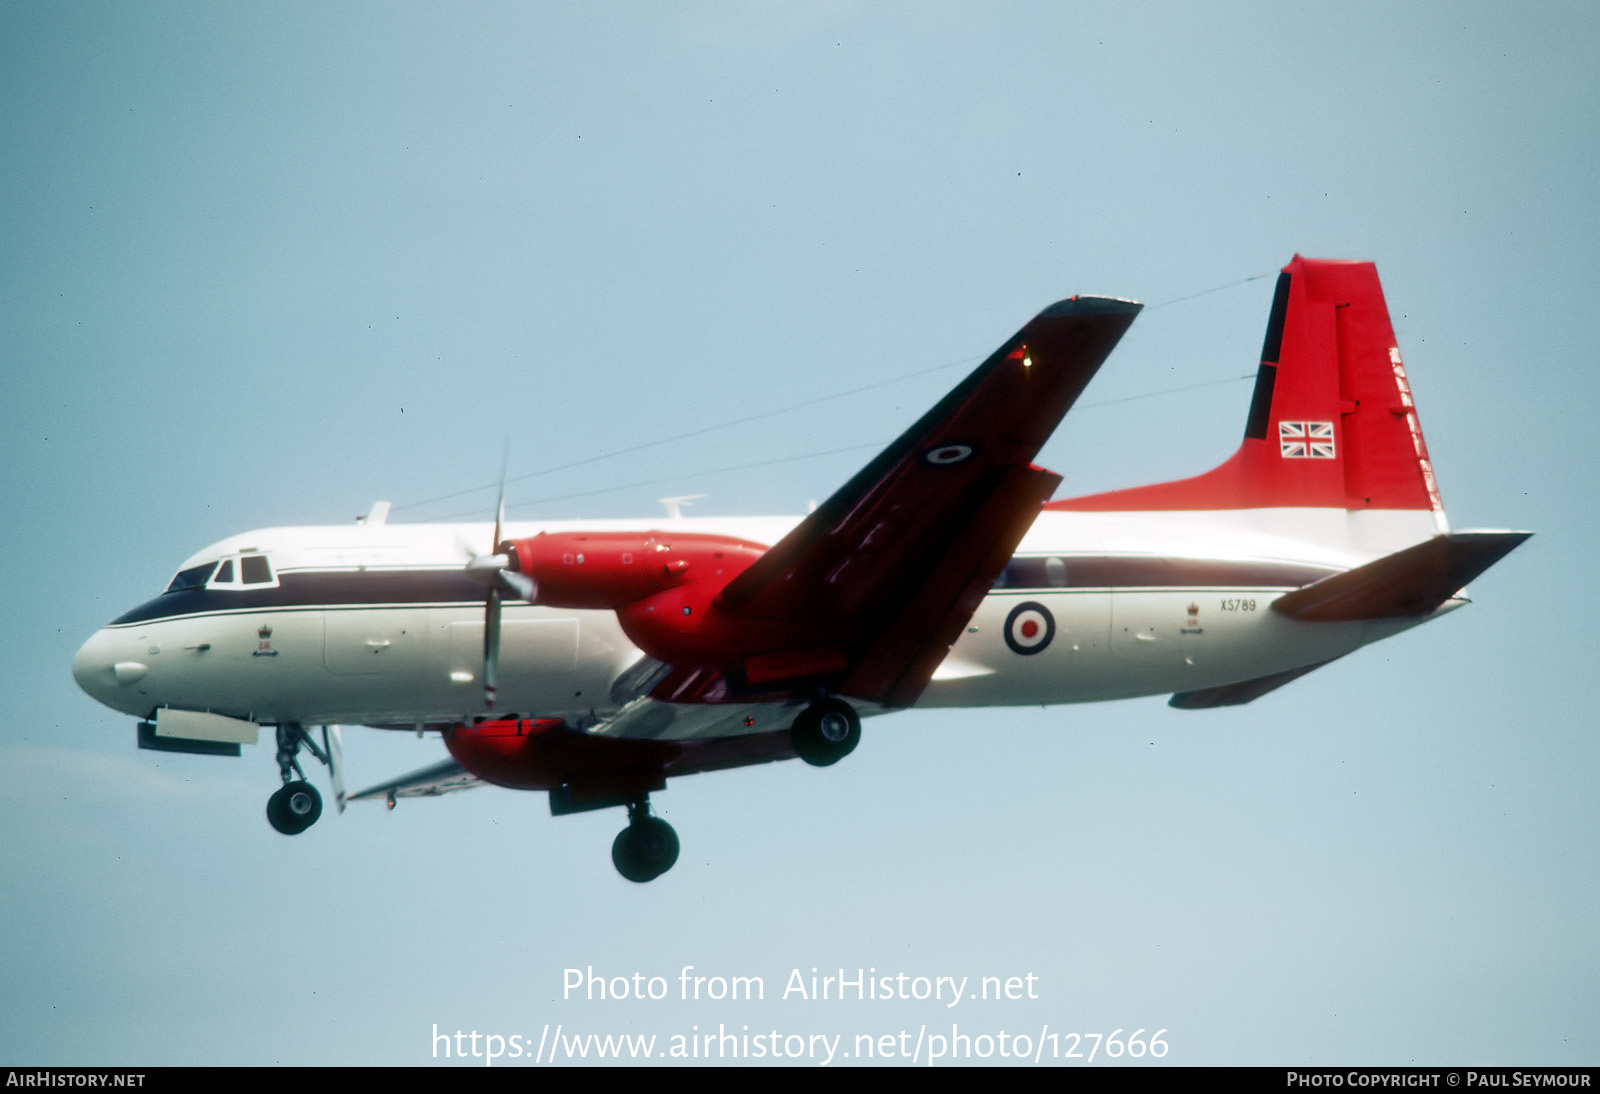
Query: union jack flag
point(1306, 440)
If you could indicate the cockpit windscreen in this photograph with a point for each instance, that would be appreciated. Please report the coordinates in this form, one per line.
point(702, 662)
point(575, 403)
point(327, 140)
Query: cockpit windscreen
point(195, 577)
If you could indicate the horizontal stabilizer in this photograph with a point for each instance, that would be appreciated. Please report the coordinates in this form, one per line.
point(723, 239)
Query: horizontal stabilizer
point(1237, 694)
point(1411, 582)
point(429, 782)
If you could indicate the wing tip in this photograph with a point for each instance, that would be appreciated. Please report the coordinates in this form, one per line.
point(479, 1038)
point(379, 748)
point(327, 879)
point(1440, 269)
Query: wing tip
point(1092, 305)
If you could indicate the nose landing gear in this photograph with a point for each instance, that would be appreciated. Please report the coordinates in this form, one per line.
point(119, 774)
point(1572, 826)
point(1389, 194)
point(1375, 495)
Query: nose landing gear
point(297, 805)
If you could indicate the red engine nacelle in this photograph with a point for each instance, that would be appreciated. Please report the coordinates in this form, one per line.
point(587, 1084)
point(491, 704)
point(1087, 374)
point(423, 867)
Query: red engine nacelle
point(664, 587)
point(543, 754)
point(615, 569)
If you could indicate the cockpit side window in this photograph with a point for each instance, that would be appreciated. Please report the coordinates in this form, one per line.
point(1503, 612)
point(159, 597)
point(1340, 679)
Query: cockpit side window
point(254, 570)
point(194, 577)
point(224, 574)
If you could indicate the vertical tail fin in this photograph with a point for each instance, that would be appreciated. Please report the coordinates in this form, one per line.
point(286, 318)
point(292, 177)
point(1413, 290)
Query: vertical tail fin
point(1331, 424)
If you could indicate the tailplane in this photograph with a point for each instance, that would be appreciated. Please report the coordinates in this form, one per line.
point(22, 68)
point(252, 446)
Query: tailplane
point(1409, 584)
point(1412, 582)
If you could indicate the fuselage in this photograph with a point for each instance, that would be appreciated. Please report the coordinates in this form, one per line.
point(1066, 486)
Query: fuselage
point(379, 624)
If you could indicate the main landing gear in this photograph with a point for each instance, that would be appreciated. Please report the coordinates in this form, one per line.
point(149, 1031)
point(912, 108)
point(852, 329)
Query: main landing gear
point(297, 805)
point(647, 848)
point(825, 732)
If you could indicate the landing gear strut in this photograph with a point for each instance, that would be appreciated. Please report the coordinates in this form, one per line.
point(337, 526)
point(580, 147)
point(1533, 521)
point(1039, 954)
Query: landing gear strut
point(645, 849)
point(296, 806)
point(826, 732)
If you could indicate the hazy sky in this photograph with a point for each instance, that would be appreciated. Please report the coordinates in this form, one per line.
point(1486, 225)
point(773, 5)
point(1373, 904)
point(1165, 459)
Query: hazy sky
point(266, 264)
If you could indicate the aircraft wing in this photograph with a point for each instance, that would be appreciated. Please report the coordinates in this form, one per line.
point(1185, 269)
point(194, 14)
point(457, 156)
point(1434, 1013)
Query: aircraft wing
point(890, 568)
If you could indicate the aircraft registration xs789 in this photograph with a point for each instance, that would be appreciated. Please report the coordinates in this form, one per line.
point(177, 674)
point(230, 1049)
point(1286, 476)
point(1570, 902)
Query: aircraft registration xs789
point(596, 661)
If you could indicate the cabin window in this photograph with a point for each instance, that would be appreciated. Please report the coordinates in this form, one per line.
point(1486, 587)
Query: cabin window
point(1033, 573)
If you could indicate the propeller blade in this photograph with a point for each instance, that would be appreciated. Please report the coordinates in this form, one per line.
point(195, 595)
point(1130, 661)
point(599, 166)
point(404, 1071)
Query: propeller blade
point(491, 644)
point(518, 585)
point(500, 504)
point(493, 570)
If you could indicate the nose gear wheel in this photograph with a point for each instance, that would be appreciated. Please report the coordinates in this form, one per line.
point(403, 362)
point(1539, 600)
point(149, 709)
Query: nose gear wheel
point(296, 805)
point(294, 808)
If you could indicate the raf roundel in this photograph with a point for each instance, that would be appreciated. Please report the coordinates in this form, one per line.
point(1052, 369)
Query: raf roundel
point(1029, 628)
point(947, 454)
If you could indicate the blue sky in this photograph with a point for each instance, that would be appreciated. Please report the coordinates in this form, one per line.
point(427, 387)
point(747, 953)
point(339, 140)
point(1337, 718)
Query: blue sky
point(265, 266)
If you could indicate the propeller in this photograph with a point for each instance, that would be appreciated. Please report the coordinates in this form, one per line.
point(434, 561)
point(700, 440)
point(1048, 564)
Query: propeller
point(495, 571)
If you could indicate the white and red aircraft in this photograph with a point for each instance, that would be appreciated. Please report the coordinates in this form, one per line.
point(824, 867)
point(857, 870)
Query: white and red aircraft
point(597, 661)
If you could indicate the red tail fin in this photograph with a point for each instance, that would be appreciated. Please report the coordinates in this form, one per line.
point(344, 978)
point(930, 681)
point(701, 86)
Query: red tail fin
point(1331, 425)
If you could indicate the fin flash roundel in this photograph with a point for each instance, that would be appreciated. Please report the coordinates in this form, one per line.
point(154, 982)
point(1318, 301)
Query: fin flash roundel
point(1029, 628)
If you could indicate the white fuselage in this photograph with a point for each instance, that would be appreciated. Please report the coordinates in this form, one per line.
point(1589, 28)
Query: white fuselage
point(376, 624)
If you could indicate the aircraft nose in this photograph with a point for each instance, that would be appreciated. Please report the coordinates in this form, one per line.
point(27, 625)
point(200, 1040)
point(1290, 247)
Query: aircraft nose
point(106, 675)
point(91, 668)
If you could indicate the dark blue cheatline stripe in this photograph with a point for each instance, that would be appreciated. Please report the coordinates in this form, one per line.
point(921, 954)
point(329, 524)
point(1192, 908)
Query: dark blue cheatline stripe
point(354, 588)
point(1143, 572)
point(350, 588)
